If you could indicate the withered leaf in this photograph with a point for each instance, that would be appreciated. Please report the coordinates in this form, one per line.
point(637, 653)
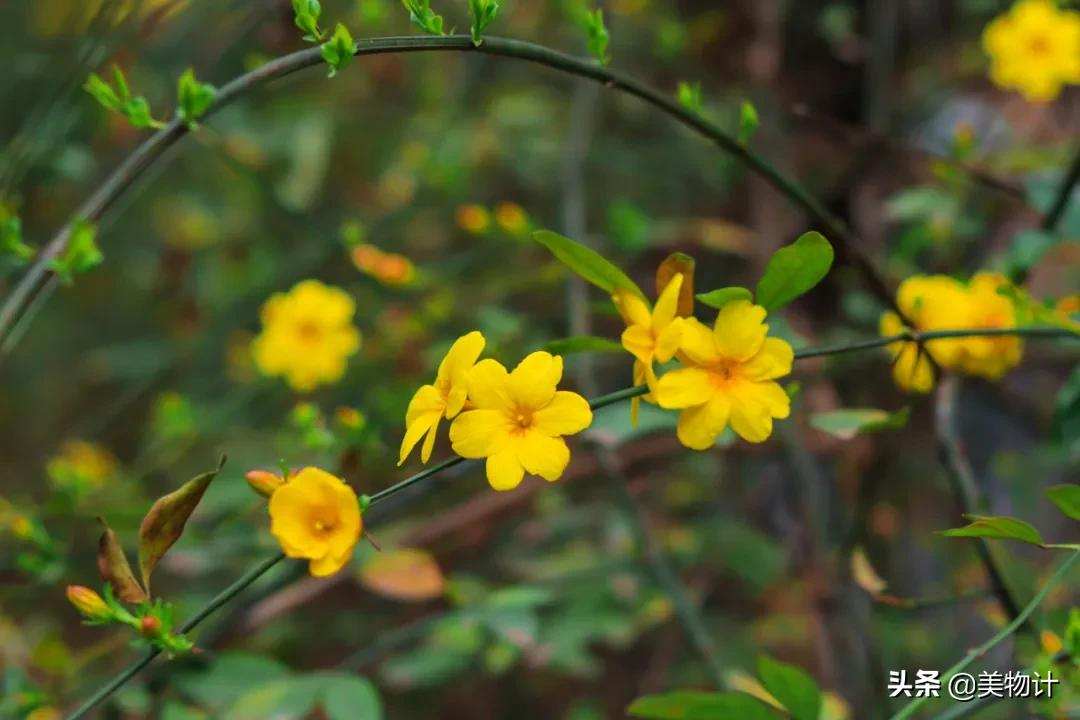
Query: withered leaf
point(674, 264)
point(165, 521)
point(115, 569)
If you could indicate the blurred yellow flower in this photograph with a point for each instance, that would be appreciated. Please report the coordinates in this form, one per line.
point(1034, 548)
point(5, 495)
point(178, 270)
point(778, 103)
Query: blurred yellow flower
point(992, 356)
point(445, 398)
point(1034, 48)
point(473, 219)
point(387, 268)
point(519, 420)
point(729, 377)
point(88, 602)
point(931, 302)
point(650, 336)
point(512, 218)
point(44, 713)
point(81, 466)
point(316, 516)
point(307, 335)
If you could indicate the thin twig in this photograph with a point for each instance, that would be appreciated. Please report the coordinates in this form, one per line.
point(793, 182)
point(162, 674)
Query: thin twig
point(34, 280)
point(1065, 192)
point(610, 399)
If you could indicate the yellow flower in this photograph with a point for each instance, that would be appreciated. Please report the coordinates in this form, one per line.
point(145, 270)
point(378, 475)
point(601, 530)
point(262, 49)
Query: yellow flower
point(44, 713)
point(650, 336)
point(473, 219)
point(512, 218)
point(307, 335)
point(316, 516)
point(81, 466)
point(1034, 48)
point(387, 268)
point(992, 356)
point(445, 398)
point(730, 378)
point(934, 302)
point(88, 602)
point(519, 420)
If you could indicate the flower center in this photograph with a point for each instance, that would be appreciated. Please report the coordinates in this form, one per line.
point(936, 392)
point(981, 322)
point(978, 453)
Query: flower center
point(1039, 46)
point(724, 371)
point(308, 331)
point(522, 418)
point(323, 527)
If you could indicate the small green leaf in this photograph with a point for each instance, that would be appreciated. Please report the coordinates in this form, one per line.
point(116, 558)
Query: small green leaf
point(115, 569)
point(748, 121)
point(582, 343)
point(80, 255)
point(119, 99)
point(103, 92)
point(849, 422)
point(165, 521)
point(193, 98)
point(11, 238)
point(719, 298)
point(1001, 528)
point(483, 13)
point(794, 270)
point(598, 37)
point(339, 50)
point(691, 97)
point(423, 17)
point(690, 705)
point(306, 16)
point(792, 686)
point(1067, 498)
point(586, 262)
point(350, 697)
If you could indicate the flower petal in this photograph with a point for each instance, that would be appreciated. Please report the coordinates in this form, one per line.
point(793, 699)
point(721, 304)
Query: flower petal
point(415, 431)
point(753, 407)
point(912, 370)
point(479, 433)
point(504, 470)
point(489, 383)
point(699, 426)
point(544, 456)
point(698, 343)
point(668, 341)
point(566, 414)
point(638, 341)
point(740, 329)
point(685, 387)
point(461, 356)
point(667, 304)
point(533, 381)
point(772, 361)
point(632, 308)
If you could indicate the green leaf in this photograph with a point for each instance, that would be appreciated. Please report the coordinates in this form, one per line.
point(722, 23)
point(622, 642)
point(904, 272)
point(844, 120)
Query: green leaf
point(719, 298)
point(792, 686)
point(102, 92)
point(165, 521)
point(794, 270)
point(193, 98)
point(1001, 528)
point(117, 98)
point(351, 697)
point(1067, 498)
point(582, 343)
point(306, 16)
point(11, 238)
point(339, 50)
point(587, 263)
point(423, 17)
point(849, 422)
point(690, 705)
point(598, 37)
point(690, 97)
point(483, 12)
point(114, 567)
point(748, 122)
point(80, 255)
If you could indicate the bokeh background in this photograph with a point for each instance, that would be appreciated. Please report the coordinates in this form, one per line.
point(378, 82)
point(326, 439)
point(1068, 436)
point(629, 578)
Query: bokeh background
point(540, 602)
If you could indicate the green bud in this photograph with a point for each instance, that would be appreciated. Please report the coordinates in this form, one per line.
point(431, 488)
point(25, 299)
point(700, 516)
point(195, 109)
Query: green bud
point(11, 239)
point(82, 253)
point(193, 98)
point(599, 39)
point(306, 16)
point(423, 17)
point(339, 50)
point(483, 13)
point(690, 97)
point(748, 122)
point(117, 98)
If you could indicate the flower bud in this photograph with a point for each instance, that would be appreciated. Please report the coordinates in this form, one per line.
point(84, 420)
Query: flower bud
point(149, 625)
point(264, 482)
point(88, 602)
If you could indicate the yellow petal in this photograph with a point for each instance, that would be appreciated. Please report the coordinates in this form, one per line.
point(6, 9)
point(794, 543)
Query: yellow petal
point(667, 304)
point(544, 456)
point(668, 341)
point(504, 470)
point(772, 361)
point(489, 384)
point(638, 341)
point(912, 370)
point(479, 433)
point(533, 381)
point(328, 564)
point(698, 343)
point(753, 407)
point(415, 431)
point(566, 414)
point(740, 329)
point(462, 355)
point(429, 441)
point(699, 426)
point(685, 387)
point(632, 308)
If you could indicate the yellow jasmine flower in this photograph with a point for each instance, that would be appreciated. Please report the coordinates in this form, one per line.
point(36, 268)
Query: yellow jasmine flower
point(729, 377)
point(1034, 48)
point(650, 336)
point(307, 335)
point(387, 268)
point(445, 398)
point(88, 602)
point(512, 218)
point(934, 302)
point(81, 466)
point(989, 357)
point(473, 219)
point(316, 516)
point(519, 420)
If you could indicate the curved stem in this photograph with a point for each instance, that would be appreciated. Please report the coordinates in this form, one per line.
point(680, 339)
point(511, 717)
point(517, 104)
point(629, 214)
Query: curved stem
point(33, 282)
point(1057, 209)
point(973, 655)
point(603, 401)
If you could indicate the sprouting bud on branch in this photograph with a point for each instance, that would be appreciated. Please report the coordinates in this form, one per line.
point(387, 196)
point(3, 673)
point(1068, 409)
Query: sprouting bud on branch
point(80, 255)
point(424, 17)
point(598, 36)
point(89, 603)
point(193, 98)
point(483, 12)
point(306, 16)
point(339, 50)
point(118, 98)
